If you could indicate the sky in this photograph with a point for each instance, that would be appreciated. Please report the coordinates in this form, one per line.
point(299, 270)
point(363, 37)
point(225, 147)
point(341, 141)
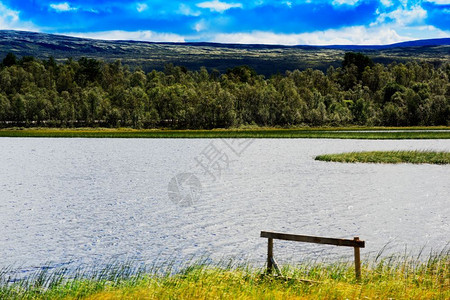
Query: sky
point(285, 22)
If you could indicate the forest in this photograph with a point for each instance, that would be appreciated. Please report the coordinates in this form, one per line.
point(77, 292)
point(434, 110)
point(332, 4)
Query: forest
point(92, 93)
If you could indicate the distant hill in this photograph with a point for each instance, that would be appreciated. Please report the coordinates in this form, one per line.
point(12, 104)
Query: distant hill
point(265, 59)
point(418, 43)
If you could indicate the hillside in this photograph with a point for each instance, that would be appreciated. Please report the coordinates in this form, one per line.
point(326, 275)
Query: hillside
point(265, 59)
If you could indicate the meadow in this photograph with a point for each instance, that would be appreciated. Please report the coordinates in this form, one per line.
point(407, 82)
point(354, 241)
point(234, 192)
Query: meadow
point(392, 277)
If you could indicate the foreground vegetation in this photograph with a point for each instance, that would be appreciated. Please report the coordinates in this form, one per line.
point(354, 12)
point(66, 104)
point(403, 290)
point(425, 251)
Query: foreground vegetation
point(395, 277)
point(92, 93)
point(332, 133)
point(390, 157)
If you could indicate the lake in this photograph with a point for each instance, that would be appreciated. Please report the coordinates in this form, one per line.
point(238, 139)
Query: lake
point(82, 202)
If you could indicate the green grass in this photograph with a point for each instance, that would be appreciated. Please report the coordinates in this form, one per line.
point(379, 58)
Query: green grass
point(396, 277)
point(333, 133)
point(389, 157)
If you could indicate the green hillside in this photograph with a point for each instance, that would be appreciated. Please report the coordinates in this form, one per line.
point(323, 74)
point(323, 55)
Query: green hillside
point(265, 59)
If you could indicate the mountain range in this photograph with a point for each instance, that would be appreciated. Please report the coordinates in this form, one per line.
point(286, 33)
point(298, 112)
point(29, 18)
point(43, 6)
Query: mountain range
point(265, 59)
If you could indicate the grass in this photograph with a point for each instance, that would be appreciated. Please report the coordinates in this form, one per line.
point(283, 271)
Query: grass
point(332, 133)
point(389, 157)
point(396, 277)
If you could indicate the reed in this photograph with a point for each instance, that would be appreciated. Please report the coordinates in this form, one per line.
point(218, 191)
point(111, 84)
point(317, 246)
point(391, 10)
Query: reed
point(389, 157)
point(253, 132)
point(395, 276)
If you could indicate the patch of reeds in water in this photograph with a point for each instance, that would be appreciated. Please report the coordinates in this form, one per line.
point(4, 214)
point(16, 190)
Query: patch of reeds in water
point(389, 157)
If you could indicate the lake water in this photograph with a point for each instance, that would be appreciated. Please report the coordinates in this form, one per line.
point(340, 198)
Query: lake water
point(89, 201)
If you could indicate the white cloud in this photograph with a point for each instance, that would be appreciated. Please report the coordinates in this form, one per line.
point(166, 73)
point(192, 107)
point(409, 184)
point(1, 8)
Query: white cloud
point(218, 6)
point(440, 2)
point(91, 10)
point(422, 32)
point(140, 7)
point(403, 16)
point(357, 35)
point(200, 26)
point(187, 11)
point(346, 2)
point(8, 15)
point(62, 7)
point(10, 19)
point(142, 35)
point(387, 3)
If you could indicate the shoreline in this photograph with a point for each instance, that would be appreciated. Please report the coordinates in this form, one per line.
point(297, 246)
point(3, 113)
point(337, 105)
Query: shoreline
point(397, 276)
point(440, 132)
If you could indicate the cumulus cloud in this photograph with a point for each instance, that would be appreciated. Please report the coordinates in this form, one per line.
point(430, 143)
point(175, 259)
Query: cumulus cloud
point(356, 35)
point(346, 2)
point(439, 2)
point(218, 6)
point(200, 26)
point(387, 3)
point(186, 10)
point(140, 7)
point(141, 35)
point(294, 22)
point(7, 15)
point(423, 32)
point(10, 19)
point(63, 7)
point(403, 16)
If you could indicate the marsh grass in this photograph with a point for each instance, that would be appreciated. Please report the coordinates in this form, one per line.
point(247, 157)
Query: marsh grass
point(396, 276)
point(245, 132)
point(389, 157)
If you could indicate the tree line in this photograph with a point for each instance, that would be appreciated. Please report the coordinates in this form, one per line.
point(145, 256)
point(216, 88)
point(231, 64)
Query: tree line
point(89, 92)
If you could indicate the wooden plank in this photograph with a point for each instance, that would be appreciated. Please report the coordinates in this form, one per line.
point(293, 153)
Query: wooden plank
point(312, 239)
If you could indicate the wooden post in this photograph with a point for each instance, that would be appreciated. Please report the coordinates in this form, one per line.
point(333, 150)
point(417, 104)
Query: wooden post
point(357, 261)
point(269, 255)
point(356, 243)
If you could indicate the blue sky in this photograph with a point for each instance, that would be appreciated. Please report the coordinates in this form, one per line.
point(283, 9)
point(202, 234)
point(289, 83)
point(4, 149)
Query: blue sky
point(288, 22)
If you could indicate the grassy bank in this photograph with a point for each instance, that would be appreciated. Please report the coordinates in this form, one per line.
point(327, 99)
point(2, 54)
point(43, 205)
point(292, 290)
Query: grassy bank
point(392, 277)
point(389, 157)
point(332, 133)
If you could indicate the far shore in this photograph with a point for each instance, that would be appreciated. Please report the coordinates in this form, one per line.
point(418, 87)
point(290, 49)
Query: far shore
point(439, 132)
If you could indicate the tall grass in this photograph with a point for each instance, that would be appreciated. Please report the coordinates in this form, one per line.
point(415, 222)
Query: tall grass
point(390, 157)
point(333, 133)
point(396, 276)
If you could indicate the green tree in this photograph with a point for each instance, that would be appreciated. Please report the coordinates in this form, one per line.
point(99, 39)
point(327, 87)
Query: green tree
point(359, 60)
point(9, 60)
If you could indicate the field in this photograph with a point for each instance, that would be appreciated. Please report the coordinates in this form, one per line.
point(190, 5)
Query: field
point(390, 157)
point(327, 133)
point(394, 277)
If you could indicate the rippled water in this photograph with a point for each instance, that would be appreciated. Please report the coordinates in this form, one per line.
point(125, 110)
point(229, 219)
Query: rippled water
point(85, 201)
